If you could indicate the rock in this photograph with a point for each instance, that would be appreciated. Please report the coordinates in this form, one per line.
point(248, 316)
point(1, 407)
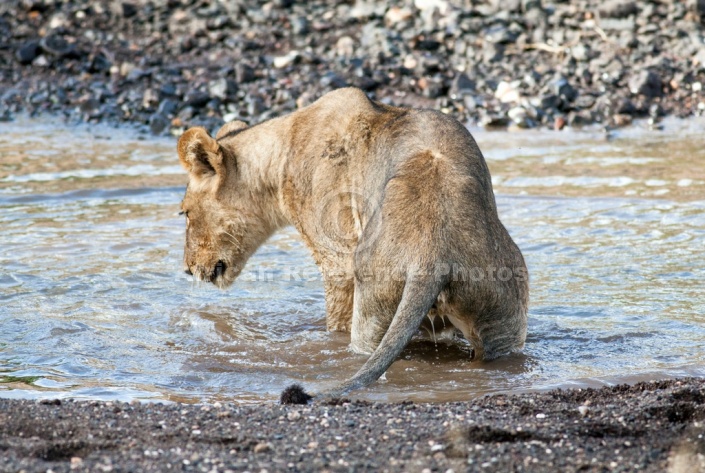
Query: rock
point(158, 123)
point(281, 62)
point(396, 15)
point(263, 447)
point(470, 103)
point(149, 98)
point(618, 9)
point(621, 120)
point(128, 10)
point(333, 80)
point(90, 107)
point(59, 47)
point(431, 88)
point(508, 92)
point(612, 24)
point(520, 117)
point(440, 5)
point(564, 90)
point(99, 63)
point(222, 88)
point(462, 85)
point(698, 7)
point(580, 52)
point(26, 53)
point(299, 25)
point(492, 52)
point(244, 73)
point(196, 99)
point(345, 46)
point(647, 83)
point(499, 34)
point(365, 9)
point(136, 74)
point(491, 120)
point(430, 63)
point(255, 106)
point(168, 107)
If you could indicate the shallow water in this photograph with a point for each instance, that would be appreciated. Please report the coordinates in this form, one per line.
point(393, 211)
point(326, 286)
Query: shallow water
point(94, 304)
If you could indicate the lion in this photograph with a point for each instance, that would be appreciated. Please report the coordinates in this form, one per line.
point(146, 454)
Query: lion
point(396, 206)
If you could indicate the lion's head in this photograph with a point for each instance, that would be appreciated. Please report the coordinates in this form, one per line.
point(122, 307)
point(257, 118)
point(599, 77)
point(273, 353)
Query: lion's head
point(224, 221)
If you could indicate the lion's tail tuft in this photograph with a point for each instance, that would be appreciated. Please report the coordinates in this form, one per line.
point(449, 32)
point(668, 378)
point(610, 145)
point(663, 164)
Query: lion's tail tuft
point(295, 394)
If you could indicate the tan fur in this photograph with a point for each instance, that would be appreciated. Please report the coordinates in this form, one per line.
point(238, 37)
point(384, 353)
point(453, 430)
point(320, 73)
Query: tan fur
point(395, 204)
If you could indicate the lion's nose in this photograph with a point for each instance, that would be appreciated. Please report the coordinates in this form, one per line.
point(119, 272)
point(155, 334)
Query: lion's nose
point(188, 271)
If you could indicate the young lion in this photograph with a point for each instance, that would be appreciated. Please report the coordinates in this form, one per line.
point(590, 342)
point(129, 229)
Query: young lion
point(396, 206)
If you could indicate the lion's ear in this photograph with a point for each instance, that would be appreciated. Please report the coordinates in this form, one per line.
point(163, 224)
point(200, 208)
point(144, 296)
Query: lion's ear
point(230, 127)
point(200, 154)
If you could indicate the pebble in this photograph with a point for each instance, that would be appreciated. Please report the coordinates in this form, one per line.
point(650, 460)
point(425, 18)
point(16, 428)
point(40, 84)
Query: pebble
point(508, 92)
point(284, 61)
point(520, 62)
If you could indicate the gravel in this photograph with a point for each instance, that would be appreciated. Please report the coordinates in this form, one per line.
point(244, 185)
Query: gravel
point(170, 64)
point(650, 426)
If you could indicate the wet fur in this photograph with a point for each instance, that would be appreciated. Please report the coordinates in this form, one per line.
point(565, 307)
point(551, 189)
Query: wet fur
point(373, 190)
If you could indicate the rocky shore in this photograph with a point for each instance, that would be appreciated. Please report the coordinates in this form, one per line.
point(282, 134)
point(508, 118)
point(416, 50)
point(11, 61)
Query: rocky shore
point(169, 64)
point(650, 427)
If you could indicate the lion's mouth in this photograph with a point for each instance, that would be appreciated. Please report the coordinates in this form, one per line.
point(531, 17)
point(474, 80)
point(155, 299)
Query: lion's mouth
point(218, 271)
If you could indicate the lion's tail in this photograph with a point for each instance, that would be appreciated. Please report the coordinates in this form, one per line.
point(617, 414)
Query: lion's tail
point(417, 299)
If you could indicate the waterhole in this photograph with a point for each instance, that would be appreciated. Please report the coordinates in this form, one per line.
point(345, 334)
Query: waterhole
point(94, 302)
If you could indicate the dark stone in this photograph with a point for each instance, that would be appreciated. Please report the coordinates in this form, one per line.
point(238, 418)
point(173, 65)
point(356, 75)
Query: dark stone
point(564, 90)
point(244, 73)
point(618, 9)
point(196, 99)
point(365, 83)
point(548, 101)
point(58, 46)
point(699, 9)
point(99, 63)
point(26, 53)
point(646, 83)
point(625, 106)
point(426, 44)
point(167, 90)
point(91, 108)
point(5, 115)
point(129, 9)
point(167, 107)
point(158, 123)
point(462, 85)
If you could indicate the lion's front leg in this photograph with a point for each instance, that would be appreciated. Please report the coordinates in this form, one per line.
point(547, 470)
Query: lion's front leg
point(339, 303)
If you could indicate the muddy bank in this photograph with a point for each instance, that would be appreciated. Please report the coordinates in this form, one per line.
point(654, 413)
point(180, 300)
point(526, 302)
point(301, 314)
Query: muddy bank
point(170, 64)
point(656, 426)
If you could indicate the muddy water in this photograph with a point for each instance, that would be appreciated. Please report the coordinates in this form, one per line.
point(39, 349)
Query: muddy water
point(93, 303)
